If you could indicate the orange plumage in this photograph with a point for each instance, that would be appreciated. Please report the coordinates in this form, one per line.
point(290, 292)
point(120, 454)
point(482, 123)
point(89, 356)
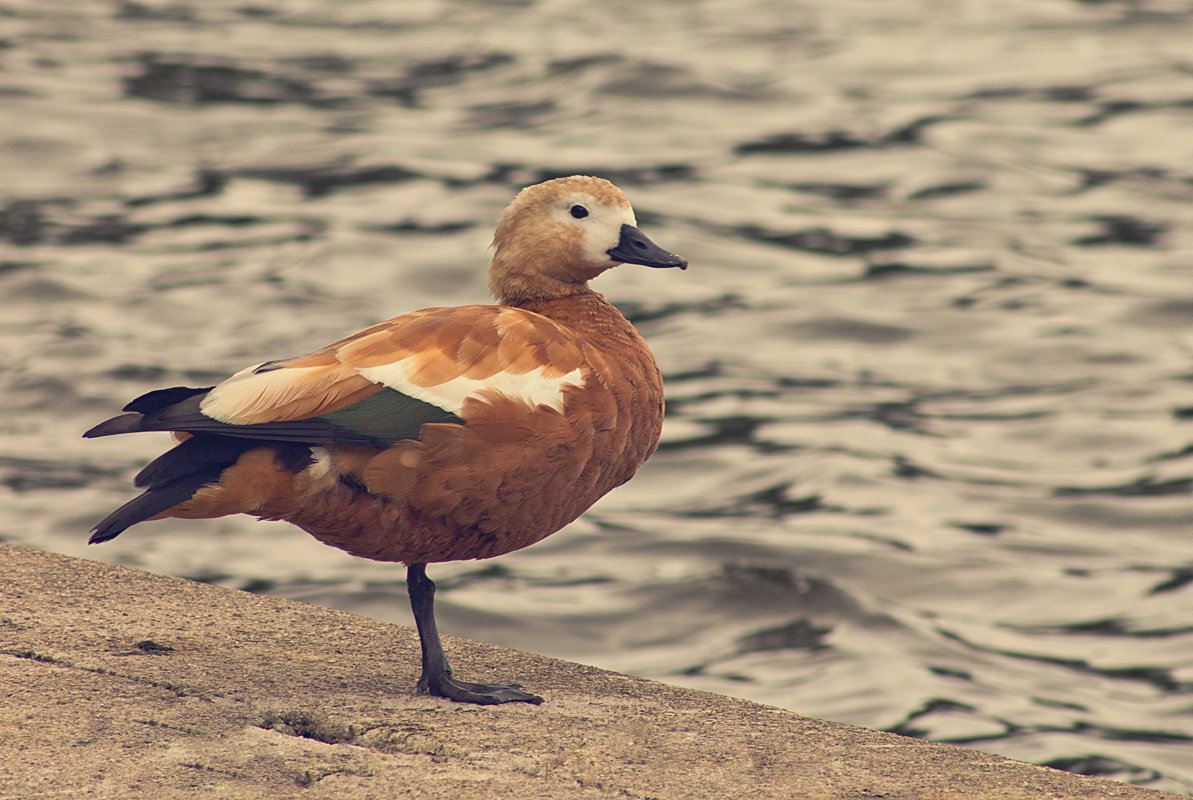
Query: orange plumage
point(444, 434)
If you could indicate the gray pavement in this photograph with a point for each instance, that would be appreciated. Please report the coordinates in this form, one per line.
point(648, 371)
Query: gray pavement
point(118, 683)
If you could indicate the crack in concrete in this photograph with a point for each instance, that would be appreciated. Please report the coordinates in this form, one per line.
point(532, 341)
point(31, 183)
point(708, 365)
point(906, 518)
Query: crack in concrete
point(176, 689)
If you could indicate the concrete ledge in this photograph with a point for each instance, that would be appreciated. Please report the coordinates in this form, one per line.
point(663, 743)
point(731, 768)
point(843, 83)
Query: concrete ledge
point(122, 684)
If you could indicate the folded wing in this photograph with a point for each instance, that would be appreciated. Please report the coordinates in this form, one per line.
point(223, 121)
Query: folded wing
point(387, 380)
point(377, 386)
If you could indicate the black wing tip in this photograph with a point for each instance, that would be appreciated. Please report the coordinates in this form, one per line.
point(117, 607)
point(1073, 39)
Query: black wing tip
point(159, 399)
point(153, 412)
point(125, 423)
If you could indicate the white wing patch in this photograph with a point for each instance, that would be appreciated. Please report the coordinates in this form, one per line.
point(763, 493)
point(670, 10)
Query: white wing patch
point(247, 394)
point(534, 386)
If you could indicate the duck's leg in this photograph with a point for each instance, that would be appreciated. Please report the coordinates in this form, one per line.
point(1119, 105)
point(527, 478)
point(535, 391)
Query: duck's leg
point(437, 675)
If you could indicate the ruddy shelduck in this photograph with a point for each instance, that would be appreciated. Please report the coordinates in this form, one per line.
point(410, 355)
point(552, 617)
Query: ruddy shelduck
point(444, 434)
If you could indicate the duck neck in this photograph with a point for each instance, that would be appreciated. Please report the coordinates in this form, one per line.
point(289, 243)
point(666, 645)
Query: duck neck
point(588, 312)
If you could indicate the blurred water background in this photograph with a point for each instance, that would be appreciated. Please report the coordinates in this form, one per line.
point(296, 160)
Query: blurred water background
point(928, 459)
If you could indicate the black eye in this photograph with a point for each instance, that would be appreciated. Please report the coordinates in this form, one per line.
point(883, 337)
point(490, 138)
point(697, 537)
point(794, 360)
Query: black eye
point(579, 212)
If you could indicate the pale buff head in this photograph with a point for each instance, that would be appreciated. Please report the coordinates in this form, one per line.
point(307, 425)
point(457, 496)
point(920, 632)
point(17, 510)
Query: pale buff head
point(556, 236)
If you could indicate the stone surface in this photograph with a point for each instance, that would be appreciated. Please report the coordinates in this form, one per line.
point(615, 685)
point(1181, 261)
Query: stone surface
point(118, 683)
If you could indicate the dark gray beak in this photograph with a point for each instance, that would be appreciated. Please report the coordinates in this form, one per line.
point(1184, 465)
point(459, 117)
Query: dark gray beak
point(635, 248)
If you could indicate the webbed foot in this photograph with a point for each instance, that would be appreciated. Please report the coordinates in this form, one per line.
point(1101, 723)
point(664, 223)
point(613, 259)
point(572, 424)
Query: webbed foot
point(482, 693)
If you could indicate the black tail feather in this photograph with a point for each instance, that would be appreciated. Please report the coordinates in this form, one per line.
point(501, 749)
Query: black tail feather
point(175, 476)
point(199, 454)
point(152, 502)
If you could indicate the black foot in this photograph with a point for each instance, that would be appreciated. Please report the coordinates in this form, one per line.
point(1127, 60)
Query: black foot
point(481, 693)
point(437, 677)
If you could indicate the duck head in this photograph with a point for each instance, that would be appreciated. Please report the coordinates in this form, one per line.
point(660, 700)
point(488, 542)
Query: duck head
point(556, 236)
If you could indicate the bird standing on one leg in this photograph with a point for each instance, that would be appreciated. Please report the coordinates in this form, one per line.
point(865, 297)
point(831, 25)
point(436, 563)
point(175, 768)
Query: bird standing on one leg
point(444, 434)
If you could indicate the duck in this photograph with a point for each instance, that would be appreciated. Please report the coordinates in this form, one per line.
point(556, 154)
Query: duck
point(444, 434)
